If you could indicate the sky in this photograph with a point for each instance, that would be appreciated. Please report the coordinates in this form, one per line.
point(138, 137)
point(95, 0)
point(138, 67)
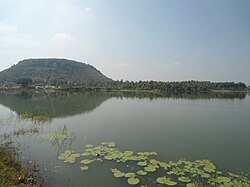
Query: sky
point(165, 40)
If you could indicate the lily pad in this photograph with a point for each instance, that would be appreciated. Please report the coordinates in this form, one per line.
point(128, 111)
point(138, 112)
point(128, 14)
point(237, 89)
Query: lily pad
point(190, 185)
point(184, 179)
point(86, 161)
point(150, 168)
point(164, 165)
point(84, 168)
point(133, 181)
point(153, 161)
point(205, 175)
point(166, 181)
point(76, 155)
point(109, 144)
point(130, 175)
point(128, 153)
point(86, 154)
point(209, 168)
point(141, 172)
point(119, 174)
point(142, 163)
point(223, 179)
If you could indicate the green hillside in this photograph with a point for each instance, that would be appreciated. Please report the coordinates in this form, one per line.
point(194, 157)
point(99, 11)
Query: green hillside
point(54, 72)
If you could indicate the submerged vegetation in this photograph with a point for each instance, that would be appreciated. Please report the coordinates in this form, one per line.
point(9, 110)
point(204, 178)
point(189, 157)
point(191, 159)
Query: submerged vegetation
point(36, 116)
point(58, 136)
point(137, 168)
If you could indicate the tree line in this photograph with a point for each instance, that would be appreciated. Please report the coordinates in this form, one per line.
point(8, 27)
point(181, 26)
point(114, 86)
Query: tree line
point(183, 86)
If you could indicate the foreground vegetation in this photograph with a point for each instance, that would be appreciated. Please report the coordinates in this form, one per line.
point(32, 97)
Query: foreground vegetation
point(11, 171)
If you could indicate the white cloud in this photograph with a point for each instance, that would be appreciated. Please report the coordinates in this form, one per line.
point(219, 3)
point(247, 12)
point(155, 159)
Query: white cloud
point(88, 9)
point(7, 29)
point(63, 37)
point(11, 40)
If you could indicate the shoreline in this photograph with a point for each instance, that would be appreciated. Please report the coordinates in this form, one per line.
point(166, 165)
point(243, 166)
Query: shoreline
point(79, 89)
point(13, 172)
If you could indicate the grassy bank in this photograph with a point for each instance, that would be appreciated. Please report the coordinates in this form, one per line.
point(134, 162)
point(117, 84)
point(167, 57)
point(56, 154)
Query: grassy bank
point(12, 172)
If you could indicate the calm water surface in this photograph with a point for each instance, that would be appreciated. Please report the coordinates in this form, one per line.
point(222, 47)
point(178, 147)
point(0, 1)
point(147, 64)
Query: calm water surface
point(192, 127)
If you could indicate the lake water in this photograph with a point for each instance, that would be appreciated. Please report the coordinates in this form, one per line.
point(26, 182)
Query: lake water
point(214, 127)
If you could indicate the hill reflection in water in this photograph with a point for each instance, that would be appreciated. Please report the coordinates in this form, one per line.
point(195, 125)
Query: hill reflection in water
point(63, 104)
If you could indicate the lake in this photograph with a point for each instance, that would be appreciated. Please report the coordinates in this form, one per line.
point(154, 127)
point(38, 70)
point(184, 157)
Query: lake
point(214, 126)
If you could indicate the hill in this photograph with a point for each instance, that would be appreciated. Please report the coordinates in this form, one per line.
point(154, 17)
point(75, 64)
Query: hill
point(54, 72)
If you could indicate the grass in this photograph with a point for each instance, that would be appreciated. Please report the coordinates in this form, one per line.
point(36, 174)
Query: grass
point(11, 172)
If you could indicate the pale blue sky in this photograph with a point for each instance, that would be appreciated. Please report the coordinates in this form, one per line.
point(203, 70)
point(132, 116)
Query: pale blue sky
point(133, 39)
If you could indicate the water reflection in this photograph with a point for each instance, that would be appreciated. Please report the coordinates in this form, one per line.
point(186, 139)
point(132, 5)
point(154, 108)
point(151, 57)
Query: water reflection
point(57, 104)
point(63, 104)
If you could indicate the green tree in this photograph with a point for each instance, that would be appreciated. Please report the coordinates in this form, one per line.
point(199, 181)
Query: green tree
point(25, 82)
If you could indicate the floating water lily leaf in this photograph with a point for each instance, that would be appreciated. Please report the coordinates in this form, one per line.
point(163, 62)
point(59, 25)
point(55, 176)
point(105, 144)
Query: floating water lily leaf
point(68, 157)
point(141, 172)
point(130, 175)
point(133, 181)
point(70, 160)
point(109, 144)
point(86, 161)
point(164, 165)
point(150, 168)
point(62, 157)
point(84, 168)
point(172, 163)
point(76, 155)
point(119, 174)
point(199, 170)
point(205, 175)
point(153, 153)
point(108, 157)
point(86, 154)
point(176, 171)
point(68, 152)
point(153, 161)
point(142, 163)
point(222, 180)
point(233, 175)
point(128, 153)
point(209, 168)
point(166, 181)
point(184, 179)
point(190, 185)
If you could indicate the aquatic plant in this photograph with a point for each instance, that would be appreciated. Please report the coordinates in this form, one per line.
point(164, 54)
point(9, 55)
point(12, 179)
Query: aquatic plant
point(142, 164)
point(166, 180)
point(62, 134)
point(36, 116)
point(133, 180)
